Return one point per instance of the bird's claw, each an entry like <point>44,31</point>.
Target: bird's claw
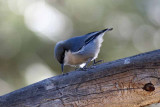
<point>96,62</point>
<point>92,67</point>
<point>81,69</point>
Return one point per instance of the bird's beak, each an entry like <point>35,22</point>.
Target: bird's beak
<point>62,66</point>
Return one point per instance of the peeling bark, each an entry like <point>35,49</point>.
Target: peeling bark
<point>128,82</point>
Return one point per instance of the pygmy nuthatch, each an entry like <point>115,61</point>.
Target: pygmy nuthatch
<point>79,50</point>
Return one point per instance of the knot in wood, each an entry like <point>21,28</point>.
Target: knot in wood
<point>149,87</point>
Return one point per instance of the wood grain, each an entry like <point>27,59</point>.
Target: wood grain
<point>128,82</point>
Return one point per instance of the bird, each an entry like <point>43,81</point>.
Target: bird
<point>80,49</point>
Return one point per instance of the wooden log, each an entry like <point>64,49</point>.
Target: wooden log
<point>128,82</point>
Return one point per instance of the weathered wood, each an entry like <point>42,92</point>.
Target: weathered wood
<point>129,82</point>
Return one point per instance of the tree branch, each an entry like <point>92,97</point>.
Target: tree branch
<point>132,81</point>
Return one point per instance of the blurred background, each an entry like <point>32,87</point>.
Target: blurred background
<point>29,30</point>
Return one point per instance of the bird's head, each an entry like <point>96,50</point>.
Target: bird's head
<point>59,53</point>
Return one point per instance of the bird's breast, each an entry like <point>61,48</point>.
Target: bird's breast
<point>73,59</point>
<point>89,51</point>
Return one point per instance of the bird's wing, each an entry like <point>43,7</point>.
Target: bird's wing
<point>77,43</point>
<point>93,35</point>
<point>74,44</point>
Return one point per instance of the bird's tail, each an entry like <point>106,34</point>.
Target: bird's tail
<point>96,34</point>
<point>105,30</point>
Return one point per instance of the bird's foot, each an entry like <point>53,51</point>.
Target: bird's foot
<point>92,67</point>
<point>81,69</point>
<point>96,62</point>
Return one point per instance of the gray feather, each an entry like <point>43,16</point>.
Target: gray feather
<point>76,43</point>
